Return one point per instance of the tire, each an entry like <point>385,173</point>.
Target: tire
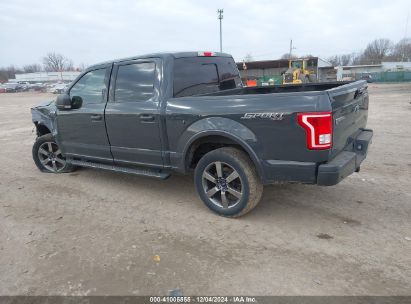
<point>227,182</point>
<point>47,156</point>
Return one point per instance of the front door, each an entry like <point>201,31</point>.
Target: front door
<point>132,113</point>
<point>82,132</point>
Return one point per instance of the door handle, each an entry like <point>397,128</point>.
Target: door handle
<point>96,117</point>
<point>146,117</point>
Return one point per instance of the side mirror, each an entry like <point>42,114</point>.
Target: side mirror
<point>63,102</point>
<point>76,102</point>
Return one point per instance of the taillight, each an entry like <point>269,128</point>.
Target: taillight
<point>206,54</point>
<point>318,127</point>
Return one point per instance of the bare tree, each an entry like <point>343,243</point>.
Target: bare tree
<point>55,62</point>
<point>346,59</point>
<point>358,58</point>
<point>32,68</point>
<point>287,56</point>
<point>341,60</point>
<point>334,60</point>
<point>69,65</point>
<point>402,50</point>
<point>248,57</point>
<point>308,56</point>
<point>377,50</point>
<point>81,67</point>
<point>8,73</point>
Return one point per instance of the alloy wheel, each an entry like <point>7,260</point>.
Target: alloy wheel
<point>50,157</point>
<point>222,184</point>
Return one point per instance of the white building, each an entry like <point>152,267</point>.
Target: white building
<point>388,66</point>
<point>385,66</point>
<point>46,76</point>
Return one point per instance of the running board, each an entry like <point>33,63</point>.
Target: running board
<point>136,171</point>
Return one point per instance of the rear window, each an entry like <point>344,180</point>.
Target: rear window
<point>202,75</point>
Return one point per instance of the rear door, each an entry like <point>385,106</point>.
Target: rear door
<point>132,113</point>
<point>350,112</point>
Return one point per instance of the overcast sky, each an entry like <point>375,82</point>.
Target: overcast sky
<point>97,30</point>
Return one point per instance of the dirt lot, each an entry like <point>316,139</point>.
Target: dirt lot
<point>95,232</point>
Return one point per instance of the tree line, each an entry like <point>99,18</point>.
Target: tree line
<point>376,51</point>
<point>52,62</point>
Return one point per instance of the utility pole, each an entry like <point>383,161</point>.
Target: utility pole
<point>220,16</point>
<point>405,36</point>
<point>291,48</point>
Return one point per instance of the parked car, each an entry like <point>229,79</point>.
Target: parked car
<point>367,77</point>
<point>38,87</point>
<point>12,87</point>
<point>50,87</point>
<point>188,112</point>
<point>2,89</point>
<point>58,88</point>
<point>25,86</point>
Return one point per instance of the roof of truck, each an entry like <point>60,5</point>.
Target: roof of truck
<point>160,55</point>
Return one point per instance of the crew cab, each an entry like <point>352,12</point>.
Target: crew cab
<point>189,112</point>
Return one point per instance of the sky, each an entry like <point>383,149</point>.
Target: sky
<point>91,31</point>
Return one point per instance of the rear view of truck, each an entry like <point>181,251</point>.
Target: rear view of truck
<point>341,131</point>
<point>349,139</point>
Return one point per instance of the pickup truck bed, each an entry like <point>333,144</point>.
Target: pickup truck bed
<point>279,145</point>
<point>286,88</point>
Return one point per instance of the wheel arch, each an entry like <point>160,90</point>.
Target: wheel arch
<point>41,129</point>
<point>219,138</point>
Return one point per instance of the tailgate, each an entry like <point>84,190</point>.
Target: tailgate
<point>350,111</point>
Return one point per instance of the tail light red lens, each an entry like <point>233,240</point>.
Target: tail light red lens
<point>318,127</point>
<point>206,54</point>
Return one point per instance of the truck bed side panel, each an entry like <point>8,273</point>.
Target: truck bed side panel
<point>276,139</point>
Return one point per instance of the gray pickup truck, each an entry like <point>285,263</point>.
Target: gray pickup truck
<point>154,114</point>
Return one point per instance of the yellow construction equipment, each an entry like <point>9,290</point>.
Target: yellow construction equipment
<point>300,71</point>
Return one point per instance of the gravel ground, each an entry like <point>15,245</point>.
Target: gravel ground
<point>93,232</point>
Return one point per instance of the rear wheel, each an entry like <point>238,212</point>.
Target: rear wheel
<point>227,182</point>
<point>48,157</point>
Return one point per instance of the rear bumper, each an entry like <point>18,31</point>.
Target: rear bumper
<point>346,162</point>
<point>326,174</point>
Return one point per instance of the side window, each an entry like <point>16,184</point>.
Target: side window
<point>135,82</point>
<point>90,87</point>
<point>203,75</point>
<point>229,75</point>
<point>192,77</point>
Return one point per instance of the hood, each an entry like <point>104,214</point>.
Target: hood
<point>44,104</point>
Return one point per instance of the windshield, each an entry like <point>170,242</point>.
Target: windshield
<point>297,64</point>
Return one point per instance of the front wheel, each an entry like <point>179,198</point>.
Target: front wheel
<point>227,182</point>
<point>47,156</point>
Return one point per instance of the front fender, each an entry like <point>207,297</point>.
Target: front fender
<point>45,115</point>
<point>220,126</point>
